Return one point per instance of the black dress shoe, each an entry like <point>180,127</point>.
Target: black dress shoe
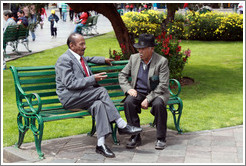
<point>104,150</point>
<point>132,130</point>
<point>134,141</point>
<point>160,144</point>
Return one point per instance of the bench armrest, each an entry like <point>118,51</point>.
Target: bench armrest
<point>29,100</point>
<point>173,83</point>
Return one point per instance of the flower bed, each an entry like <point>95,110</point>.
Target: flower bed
<point>194,26</point>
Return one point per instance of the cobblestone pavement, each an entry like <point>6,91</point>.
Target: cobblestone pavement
<point>221,146</point>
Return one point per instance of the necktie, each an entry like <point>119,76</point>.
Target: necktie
<point>83,65</point>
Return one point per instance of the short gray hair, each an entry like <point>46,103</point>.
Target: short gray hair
<point>8,13</point>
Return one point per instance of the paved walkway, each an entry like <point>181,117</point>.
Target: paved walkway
<point>214,146</point>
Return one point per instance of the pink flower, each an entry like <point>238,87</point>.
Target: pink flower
<point>187,52</point>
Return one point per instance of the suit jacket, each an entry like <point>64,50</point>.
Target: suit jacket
<point>70,76</point>
<point>158,66</point>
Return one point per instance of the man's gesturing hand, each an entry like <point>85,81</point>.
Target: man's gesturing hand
<point>132,92</point>
<point>108,61</point>
<point>100,76</point>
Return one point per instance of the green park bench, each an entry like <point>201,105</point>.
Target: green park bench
<point>91,24</point>
<point>37,101</point>
<point>14,35</point>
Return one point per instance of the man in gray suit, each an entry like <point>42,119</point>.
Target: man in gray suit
<point>77,87</point>
<point>149,87</point>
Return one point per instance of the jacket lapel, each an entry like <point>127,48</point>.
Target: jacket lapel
<point>152,66</point>
<point>76,62</point>
<point>135,67</point>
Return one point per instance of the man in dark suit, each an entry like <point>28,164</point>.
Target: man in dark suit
<point>77,87</point>
<point>149,87</point>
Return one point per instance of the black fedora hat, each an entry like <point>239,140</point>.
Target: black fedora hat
<point>145,40</point>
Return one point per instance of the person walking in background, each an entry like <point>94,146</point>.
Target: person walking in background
<point>32,22</point>
<point>60,9</point>
<point>71,13</point>
<point>186,7</point>
<point>155,6</point>
<point>64,11</point>
<point>42,13</point>
<point>240,8</point>
<point>53,18</point>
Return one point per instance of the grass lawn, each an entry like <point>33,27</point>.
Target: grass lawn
<point>214,101</point>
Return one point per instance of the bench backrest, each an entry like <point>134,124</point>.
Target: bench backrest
<point>10,33</point>
<point>23,32</point>
<point>95,18</point>
<point>89,21</point>
<point>15,32</point>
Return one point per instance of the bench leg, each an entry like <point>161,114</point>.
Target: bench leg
<point>25,42</point>
<point>38,134</point>
<point>93,128</point>
<point>95,29</point>
<point>114,134</point>
<point>22,129</point>
<point>177,112</point>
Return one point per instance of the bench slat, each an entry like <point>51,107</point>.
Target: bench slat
<point>40,87</point>
<point>112,87</point>
<point>48,101</point>
<point>106,68</point>
<point>110,80</point>
<point>66,116</point>
<point>47,94</point>
<point>33,68</point>
<point>116,94</point>
<point>32,74</point>
<point>35,81</point>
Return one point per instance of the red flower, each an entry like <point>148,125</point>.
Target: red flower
<point>167,51</point>
<point>114,52</point>
<point>178,49</point>
<point>184,59</point>
<point>117,57</point>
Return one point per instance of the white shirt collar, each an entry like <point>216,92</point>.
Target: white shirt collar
<point>144,64</point>
<point>77,56</point>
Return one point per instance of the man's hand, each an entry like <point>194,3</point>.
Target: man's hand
<point>100,76</point>
<point>108,61</point>
<point>145,104</point>
<point>132,92</point>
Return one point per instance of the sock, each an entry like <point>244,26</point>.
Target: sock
<point>121,123</point>
<point>101,141</point>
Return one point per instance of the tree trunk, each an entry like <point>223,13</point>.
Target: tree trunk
<point>109,11</point>
<point>171,9</point>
